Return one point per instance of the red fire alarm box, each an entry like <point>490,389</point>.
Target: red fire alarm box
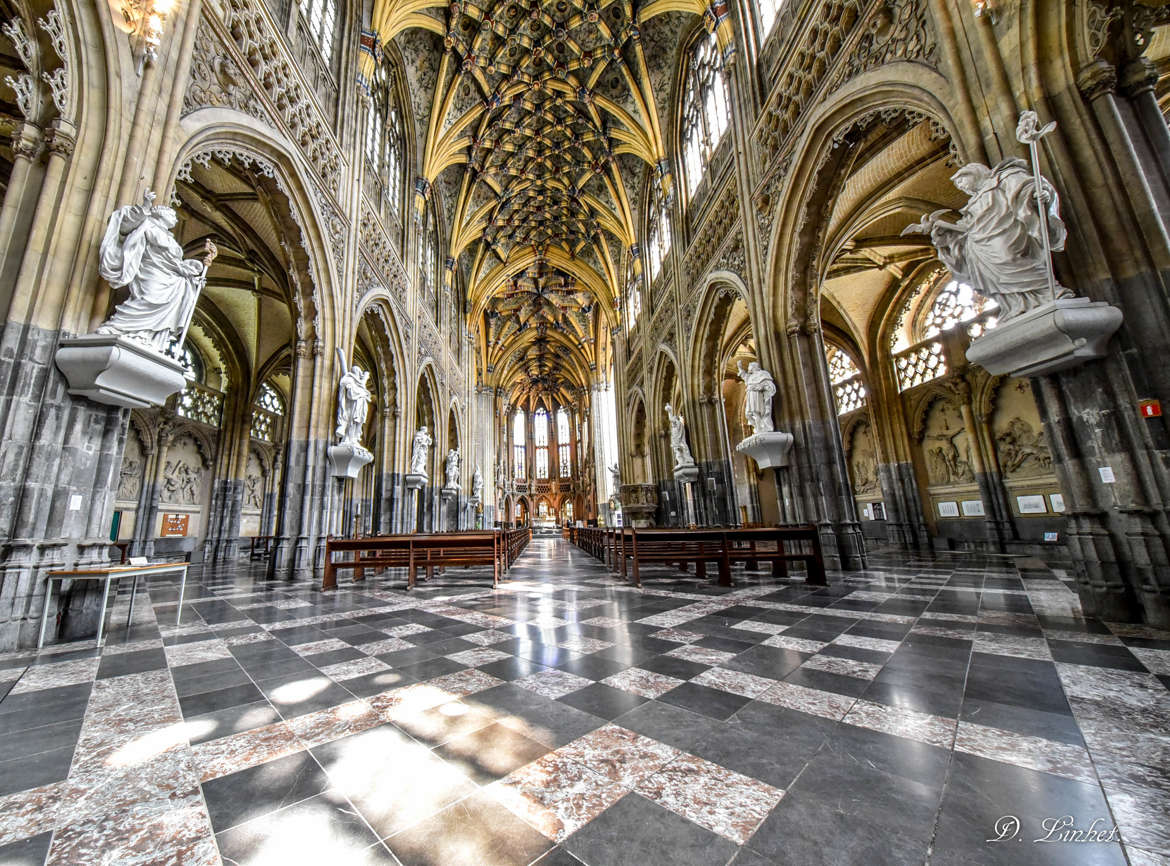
<point>1150,408</point>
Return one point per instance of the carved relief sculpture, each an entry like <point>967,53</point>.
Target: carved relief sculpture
<point>477,484</point>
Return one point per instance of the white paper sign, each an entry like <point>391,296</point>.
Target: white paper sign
<point>1032,504</point>
<point>75,502</point>
<point>948,509</point>
<point>973,508</point>
<point>1056,500</point>
<point>1106,473</point>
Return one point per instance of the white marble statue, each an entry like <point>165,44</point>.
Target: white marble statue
<point>140,253</point>
<point>761,388</point>
<point>477,483</point>
<point>999,245</point>
<point>453,467</point>
<point>616,475</point>
<point>678,438</point>
<point>353,403</point>
<point>419,451</point>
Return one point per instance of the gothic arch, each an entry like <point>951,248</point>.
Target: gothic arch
<point>225,136</point>
<point>796,245</point>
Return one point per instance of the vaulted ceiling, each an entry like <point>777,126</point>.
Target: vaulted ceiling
<point>539,121</point>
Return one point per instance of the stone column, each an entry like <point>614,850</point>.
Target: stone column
<point>815,486</point>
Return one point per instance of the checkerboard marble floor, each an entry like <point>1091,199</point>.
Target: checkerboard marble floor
<point>907,714</point>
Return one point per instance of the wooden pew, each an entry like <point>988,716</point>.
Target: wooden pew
<point>443,549</point>
<point>378,552</point>
<point>776,544</point>
<point>780,545</point>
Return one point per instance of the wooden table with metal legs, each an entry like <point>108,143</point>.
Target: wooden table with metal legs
<point>107,576</point>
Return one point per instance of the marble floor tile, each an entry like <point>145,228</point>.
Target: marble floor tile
<point>237,752</point>
<point>782,641</point>
<point>736,682</point>
<point>843,666</point>
<point>677,635</point>
<point>702,655</point>
<point>556,795</point>
<point>567,718</point>
<point>902,722</point>
<point>56,674</point>
<point>712,796</point>
<point>1035,753</point>
<point>648,684</point>
<point>355,668</point>
<point>815,702</point>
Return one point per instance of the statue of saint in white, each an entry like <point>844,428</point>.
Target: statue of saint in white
<point>353,403</point>
<point>999,246</point>
<point>140,253</point>
<point>761,388</point>
<point>418,454</point>
<point>453,467</point>
<point>477,483</point>
<point>678,439</point>
<point>616,475</point>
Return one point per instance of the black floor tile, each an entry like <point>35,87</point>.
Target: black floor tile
<point>704,700</point>
<point>1098,655</point>
<point>32,771</point>
<point>981,794</point>
<point>669,724</point>
<point>602,701</point>
<point>635,832</point>
<point>232,696</point>
<point>119,664</point>
<point>250,793</point>
<point>26,852</point>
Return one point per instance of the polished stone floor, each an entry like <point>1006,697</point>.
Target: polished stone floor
<point>950,710</point>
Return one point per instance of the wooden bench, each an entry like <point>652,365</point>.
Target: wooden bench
<point>109,575</point>
<point>378,552</point>
<point>443,549</point>
<point>779,545</point>
<point>431,551</point>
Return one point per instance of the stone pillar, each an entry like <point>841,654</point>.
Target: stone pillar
<point>304,477</point>
<point>815,486</point>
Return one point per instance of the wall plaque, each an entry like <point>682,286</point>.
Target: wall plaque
<point>175,524</point>
<point>1034,504</point>
<point>948,509</point>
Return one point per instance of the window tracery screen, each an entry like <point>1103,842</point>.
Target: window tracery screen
<point>706,110</point>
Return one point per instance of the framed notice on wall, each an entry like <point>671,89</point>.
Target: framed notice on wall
<point>1056,500</point>
<point>1034,504</point>
<point>175,524</point>
<point>973,508</point>
<point>948,509</point>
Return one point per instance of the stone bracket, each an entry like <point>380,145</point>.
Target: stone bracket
<point>1055,336</point>
<point>769,450</point>
<point>118,371</point>
<point>347,460</point>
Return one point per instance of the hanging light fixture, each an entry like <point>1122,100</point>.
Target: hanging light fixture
<point>146,19</point>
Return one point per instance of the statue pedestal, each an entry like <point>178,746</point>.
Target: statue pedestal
<point>347,460</point>
<point>118,371</point>
<point>1055,336</point>
<point>686,473</point>
<point>415,481</point>
<point>769,450</point>
<point>639,502</point>
<point>448,493</point>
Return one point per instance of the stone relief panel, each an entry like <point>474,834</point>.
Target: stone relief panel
<point>946,448</point>
<point>863,461</point>
<point>183,475</point>
<point>254,484</point>
<point>1020,444</point>
<point>130,475</point>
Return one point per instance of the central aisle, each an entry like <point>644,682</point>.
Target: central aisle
<point>892,717</point>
